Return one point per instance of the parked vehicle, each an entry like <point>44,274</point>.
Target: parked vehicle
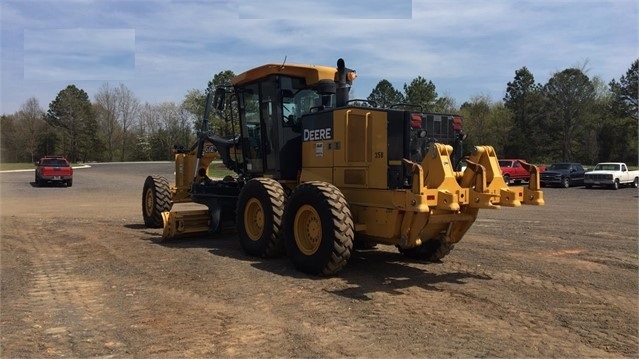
<point>564,174</point>
<point>512,170</point>
<point>53,169</point>
<point>612,175</point>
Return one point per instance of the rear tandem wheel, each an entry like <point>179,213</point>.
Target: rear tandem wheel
<point>156,198</point>
<point>318,228</point>
<point>260,207</point>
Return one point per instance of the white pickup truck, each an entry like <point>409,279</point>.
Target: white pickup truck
<point>611,174</point>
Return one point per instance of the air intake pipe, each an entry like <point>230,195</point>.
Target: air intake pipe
<point>344,80</point>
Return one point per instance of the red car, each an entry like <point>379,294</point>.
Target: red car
<point>53,169</point>
<point>512,170</point>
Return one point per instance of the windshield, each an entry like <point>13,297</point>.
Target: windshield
<point>607,167</point>
<point>295,105</point>
<point>54,163</point>
<point>559,166</point>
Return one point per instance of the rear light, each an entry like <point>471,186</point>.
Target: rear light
<point>416,121</point>
<point>457,123</point>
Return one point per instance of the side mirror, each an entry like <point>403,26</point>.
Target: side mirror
<point>219,99</point>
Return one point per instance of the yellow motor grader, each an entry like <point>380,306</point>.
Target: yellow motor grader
<point>318,174</point>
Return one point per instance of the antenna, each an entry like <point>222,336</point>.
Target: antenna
<point>282,67</point>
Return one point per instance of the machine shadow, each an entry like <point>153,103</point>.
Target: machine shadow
<point>367,271</point>
<point>374,271</point>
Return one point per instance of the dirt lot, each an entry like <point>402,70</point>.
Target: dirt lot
<point>82,277</point>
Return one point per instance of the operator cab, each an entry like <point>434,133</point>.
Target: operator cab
<point>272,100</point>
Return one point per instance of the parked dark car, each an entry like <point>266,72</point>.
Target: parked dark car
<point>564,174</point>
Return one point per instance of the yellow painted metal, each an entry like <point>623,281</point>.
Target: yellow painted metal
<point>312,74</point>
<point>317,174</point>
<point>149,204</point>
<point>254,219</point>
<point>363,146</point>
<point>181,223</point>
<point>308,229</point>
<point>489,190</point>
<point>439,174</point>
<point>441,203</point>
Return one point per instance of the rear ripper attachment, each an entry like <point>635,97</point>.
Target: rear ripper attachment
<point>317,174</point>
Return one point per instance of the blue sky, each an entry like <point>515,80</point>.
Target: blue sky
<point>160,49</point>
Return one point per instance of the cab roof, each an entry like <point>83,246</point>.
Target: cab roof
<point>311,73</point>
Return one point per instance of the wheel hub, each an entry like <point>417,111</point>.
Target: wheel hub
<point>149,203</point>
<point>254,219</point>
<point>308,230</point>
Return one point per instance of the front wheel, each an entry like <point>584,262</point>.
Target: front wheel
<point>615,185</point>
<point>318,228</point>
<point>507,179</point>
<point>156,198</point>
<point>565,183</point>
<point>635,183</point>
<point>260,207</point>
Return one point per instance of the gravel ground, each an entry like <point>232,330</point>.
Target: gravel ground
<point>82,277</point>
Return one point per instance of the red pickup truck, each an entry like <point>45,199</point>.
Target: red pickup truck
<point>512,170</point>
<point>53,169</point>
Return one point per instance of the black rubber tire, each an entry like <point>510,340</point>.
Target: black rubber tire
<point>615,185</point>
<point>318,209</point>
<point>156,198</point>
<point>507,179</point>
<point>69,183</point>
<point>588,186</point>
<point>635,183</point>
<point>565,182</point>
<point>431,250</point>
<point>260,207</point>
<point>37,181</point>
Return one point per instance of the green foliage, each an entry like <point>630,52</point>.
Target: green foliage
<point>385,95</point>
<point>71,114</point>
<point>571,117</point>
<point>422,93</point>
<point>9,142</point>
<point>219,123</point>
<point>486,123</point>
<point>626,93</point>
<point>525,100</point>
<point>569,96</point>
<point>195,102</point>
<point>445,104</point>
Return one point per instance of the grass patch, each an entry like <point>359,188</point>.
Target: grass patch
<point>16,166</point>
<point>218,170</point>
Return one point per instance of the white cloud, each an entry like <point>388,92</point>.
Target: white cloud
<point>325,9</point>
<point>465,47</point>
<point>79,54</point>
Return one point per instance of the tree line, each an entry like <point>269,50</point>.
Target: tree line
<point>571,117</point>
